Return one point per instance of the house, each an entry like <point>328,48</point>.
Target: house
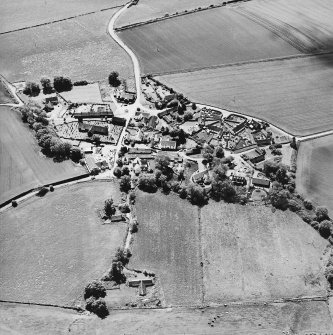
<point>192,151</point>
<point>169,97</point>
<point>135,282</point>
<point>255,156</point>
<point>238,180</point>
<point>91,164</point>
<point>127,97</point>
<point>260,182</point>
<point>199,177</point>
<point>168,145</point>
<point>53,100</point>
<point>117,218</point>
<point>152,122</point>
<point>118,121</point>
<point>139,151</point>
<point>164,113</point>
<point>95,129</point>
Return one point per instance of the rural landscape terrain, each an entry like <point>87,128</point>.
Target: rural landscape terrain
<point>166,167</point>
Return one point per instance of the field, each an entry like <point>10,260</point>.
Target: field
<point>22,165</point>
<point>5,95</point>
<point>315,172</point>
<point>152,9</point>
<point>250,254</point>
<point>51,247</point>
<point>307,24</point>
<point>168,244</point>
<point>84,94</point>
<point>202,39</point>
<point>273,319</point>
<point>293,94</point>
<point>18,14</point>
<point>79,48</point>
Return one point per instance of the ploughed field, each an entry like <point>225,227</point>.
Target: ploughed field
<point>167,243</point>
<point>255,255</point>
<point>202,39</point>
<point>79,48</point>
<point>294,94</point>
<point>22,166</point>
<point>51,247</point>
<point>315,171</point>
<point>18,14</point>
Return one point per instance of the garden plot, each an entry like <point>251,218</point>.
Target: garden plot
<point>58,243</point>
<point>251,254</point>
<point>84,94</point>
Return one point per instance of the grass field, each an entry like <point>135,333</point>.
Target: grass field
<point>18,14</point>
<point>168,244</point>
<point>272,319</point>
<point>22,166</point>
<point>5,95</point>
<point>79,48</point>
<point>152,9</point>
<point>315,171</point>
<point>202,39</point>
<point>252,254</point>
<point>51,247</point>
<point>307,24</point>
<point>84,94</point>
<point>293,94</point>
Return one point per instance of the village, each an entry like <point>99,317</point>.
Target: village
<point>118,137</point>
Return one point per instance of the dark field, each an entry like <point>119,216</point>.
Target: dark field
<point>315,171</point>
<point>22,166</point>
<point>168,244</point>
<point>17,14</point>
<point>294,94</point>
<point>213,37</point>
<point>52,247</point>
<point>79,48</point>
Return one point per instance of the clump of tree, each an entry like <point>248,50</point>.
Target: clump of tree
<point>97,306</point>
<point>93,293</point>
<point>197,195</point>
<point>114,79</point>
<point>279,198</point>
<point>109,208</point>
<point>125,183</point>
<point>95,289</point>
<point>223,190</point>
<point>62,84</point>
<point>47,85</point>
<point>147,184</point>
<point>325,228</point>
<point>31,89</point>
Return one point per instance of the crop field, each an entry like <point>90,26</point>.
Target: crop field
<point>151,9</point>
<point>22,166</point>
<point>18,14</point>
<point>315,171</point>
<point>168,244</point>
<point>79,48</point>
<point>84,94</point>
<point>250,254</point>
<point>249,319</point>
<point>51,247</point>
<point>294,94</point>
<point>307,24</point>
<point>5,95</point>
<point>202,39</point>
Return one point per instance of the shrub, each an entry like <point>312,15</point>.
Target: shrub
<point>117,172</point>
<point>321,213</point>
<point>31,89</point>
<point>134,228</point>
<point>122,255</point>
<point>314,224</point>
<point>95,289</point>
<point>42,191</point>
<point>75,154</point>
<point>124,208</point>
<point>329,275</point>
<point>62,84</point>
<point>113,79</point>
<point>125,183</point>
<point>294,206</point>
<point>81,83</point>
<point>325,228</point>
<point>46,84</point>
<point>132,196</point>
<point>183,193</point>
<point>51,188</point>
<point>97,306</point>
<point>14,203</point>
<point>305,216</point>
<point>308,204</point>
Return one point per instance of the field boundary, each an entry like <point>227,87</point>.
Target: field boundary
<point>168,16</point>
<point>60,20</point>
<point>264,60</point>
<point>78,309</point>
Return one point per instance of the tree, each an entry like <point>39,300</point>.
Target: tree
<point>321,213</point>
<point>95,289</point>
<point>125,183</point>
<point>308,204</point>
<point>220,172</point>
<point>31,89</point>
<point>62,84</point>
<point>116,273</point>
<point>281,175</point>
<point>223,190</point>
<point>113,79</point>
<point>122,255</point>
<point>125,171</point>
<point>270,168</point>
<point>46,84</point>
<point>219,153</point>
<point>197,195</point>
<point>194,106</point>
<point>162,164</point>
<point>325,228</point>
<point>183,193</point>
<point>294,206</point>
<point>124,208</point>
<point>75,155</point>
<point>147,184</point>
<point>109,207</point>
<point>279,198</point>
<point>188,116</point>
<point>117,172</point>
<point>97,306</point>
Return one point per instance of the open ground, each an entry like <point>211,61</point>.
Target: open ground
<point>22,166</point>
<point>19,14</point>
<point>294,94</point>
<point>79,48</point>
<point>52,247</point>
<point>252,254</point>
<point>315,171</point>
<point>202,39</point>
<point>168,244</point>
<point>5,94</point>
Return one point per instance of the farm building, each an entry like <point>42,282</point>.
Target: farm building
<point>94,111</point>
<point>260,182</point>
<point>117,218</point>
<point>199,177</point>
<point>127,97</point>
<point>164,113</point>
<point>168,145</point>
<point>255,156</point>
<point>119,121</point>
<point>135,282</point>
<point>95,129</point>
<point>91,164</point>
<point>139,150</point>
<point>238,180</point>
<point>53,100</point>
